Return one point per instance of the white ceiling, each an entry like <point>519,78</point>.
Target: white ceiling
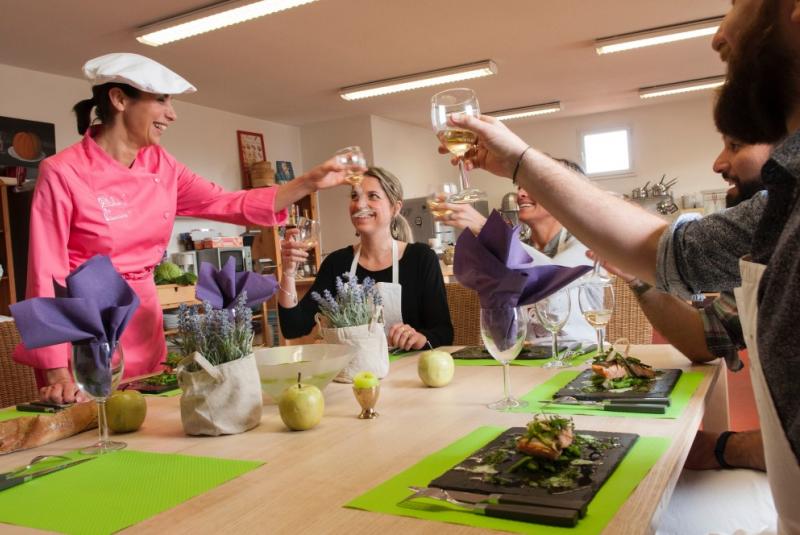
<point>288,67</point>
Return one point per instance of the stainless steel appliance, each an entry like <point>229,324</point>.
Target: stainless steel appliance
<point>219,255</point>
<point>421,220</point>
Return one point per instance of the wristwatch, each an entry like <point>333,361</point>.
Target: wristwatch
<point>639,287</point>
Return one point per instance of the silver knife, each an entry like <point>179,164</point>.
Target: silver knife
<point>13,481</point>
<point>510,506</point>
<point>627,405</point>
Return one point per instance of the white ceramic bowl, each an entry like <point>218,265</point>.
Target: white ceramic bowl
<point>318,363</point>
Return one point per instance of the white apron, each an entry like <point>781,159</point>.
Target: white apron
<point>783,470</point>
<point>391,292</point>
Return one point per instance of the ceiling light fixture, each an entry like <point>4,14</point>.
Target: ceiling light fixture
<point>527,111</point>
<point>210,18</point>
<point>657,36</point>
<point>417,81</point>
<point>681,87</point>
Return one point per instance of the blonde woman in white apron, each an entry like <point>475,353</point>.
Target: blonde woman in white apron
<point>408,275</point>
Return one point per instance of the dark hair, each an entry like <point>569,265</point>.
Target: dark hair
<point>101,101</point>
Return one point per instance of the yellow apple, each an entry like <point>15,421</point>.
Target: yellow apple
<point>126,410</point>
<point>301,406</point>
<point>436,368</point>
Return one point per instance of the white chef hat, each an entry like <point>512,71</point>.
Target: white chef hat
<point>135,70</point>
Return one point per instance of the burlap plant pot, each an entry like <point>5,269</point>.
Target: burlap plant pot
<point>219,400</point>
<point>368,342</point>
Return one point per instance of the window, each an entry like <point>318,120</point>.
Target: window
<point>607,153</point>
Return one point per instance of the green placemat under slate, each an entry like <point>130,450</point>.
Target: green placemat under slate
<point>114,491</point>
<point>385,497</point>
<point>532,363</point>
<point>679,398</point>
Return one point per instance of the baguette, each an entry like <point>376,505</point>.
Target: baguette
<point>31,431</point>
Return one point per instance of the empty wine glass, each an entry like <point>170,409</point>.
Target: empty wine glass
<point>596,301</point>
<point>308,237</point>
<point>553,313</point>
<point>503,333</point>
<point>97,368</point>
<point>440,193</point>
<point>352,158</point>
<point>457,141</point>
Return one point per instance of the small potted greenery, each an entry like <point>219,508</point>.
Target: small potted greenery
<point>218,374</point>
<point>354,317</point>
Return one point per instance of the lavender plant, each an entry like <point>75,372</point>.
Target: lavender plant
<point>354,303</point>
<point>219,335</point>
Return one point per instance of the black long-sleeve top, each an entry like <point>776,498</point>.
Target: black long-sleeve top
<point>423,302</point>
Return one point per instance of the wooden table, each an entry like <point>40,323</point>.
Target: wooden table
<point>308,476</point>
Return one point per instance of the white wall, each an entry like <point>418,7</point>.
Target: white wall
<point>409,151</point>
<point>674,137</point>
<point>319,142</point>
<point>202,138</point>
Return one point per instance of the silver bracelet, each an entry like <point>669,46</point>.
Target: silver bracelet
<point>293,295</point>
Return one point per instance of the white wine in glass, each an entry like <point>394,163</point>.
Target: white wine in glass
<point>458,141</point>
<point>596,302</point>
<point>352,158</point>
<point>439,194</point>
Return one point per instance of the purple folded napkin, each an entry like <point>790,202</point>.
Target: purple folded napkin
<point>93,309</point>
<point>223,287</point>
<point>95,306</point>
<point>495,265</point>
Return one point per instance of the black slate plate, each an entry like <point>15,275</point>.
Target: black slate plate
<point>529,352</point>
<point>461,478</point>
<point>660,388</point>
<point>147,388</point>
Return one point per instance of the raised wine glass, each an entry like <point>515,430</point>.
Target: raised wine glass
<point>503,332</point>
<point>596,301</point>
<point>97,369</point>
<point>438,194</point>
<point>352,158</point>
<point>553,313</point>
<point>308,238</point>
<point>457,141</point>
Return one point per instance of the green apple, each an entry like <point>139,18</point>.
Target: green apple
<point>436,368</point>
<point>365,380</point>
<point>301,406</point>
<point>125,410</point>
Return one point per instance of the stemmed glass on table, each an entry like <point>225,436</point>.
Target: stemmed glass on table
<point>97,370</point>
<point>457,141</point>
<point>503,332</point>
<point>596,301</point>
<point>553,313</point>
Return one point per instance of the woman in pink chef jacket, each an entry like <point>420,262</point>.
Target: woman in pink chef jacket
<point>117,192</point>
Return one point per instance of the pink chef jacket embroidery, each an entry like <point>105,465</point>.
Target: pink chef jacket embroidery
<point>87,203</point>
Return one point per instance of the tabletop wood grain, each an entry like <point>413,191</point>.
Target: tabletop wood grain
<point>309,475</point>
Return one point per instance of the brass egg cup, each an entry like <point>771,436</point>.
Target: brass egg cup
<point>367,398</point>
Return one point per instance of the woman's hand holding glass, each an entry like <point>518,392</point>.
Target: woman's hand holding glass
<point>326,175</point>
<point>293,252</point>
<point>553,313</point>
<point>405,337</point>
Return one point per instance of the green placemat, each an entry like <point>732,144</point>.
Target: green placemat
<point>679,398</point>
<point>385,497</point>
<point>10,413</point>
<point>114,491</point>
<point>397,356</point>
<point>532,363</point>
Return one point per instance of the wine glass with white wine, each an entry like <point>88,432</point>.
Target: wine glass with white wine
<point>457,141</point>
<point>439,194</point>
<point>352,158</point>
<point>596,302</point>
